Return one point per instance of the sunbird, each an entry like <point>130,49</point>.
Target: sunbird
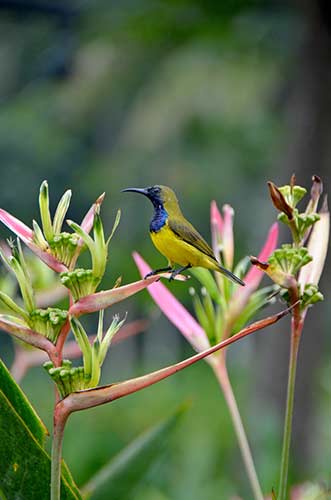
<point>176,238</point>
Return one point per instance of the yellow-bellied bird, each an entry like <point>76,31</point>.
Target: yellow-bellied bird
<point>175,237</point>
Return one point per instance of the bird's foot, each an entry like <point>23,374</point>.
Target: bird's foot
<point>152,273</point>
<point>157,271</point>
<point>175,272</point>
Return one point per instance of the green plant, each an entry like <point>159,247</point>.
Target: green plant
<point>43,329</point>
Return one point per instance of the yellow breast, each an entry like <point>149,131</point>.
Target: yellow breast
<point>178,251</point>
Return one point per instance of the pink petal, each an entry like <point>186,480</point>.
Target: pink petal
<point>25,334</point>
<point>47,258</point>
<point>174,310</point>
<point>26,235</point>
<point>216,223</point>
<point>18,227</point>
<point>87,222</point>
<point>227,240</point>
<point>216,217</point>
<point>104,299</point>
<point>254,275</point>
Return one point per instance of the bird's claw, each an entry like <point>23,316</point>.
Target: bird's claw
<point>148,275</point>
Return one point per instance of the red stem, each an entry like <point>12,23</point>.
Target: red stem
<point>101,395</point>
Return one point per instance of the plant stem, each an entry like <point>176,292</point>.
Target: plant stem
<point>296,330</point>
<point>60,419</point>
<point>224,381</point>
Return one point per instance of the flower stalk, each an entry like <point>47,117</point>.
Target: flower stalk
<point>296,331</point>
<point>59,422</point>
<point>297,270</point>
<point>222,376</point>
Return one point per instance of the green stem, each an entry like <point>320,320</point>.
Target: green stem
<point>224,381</point>
<point>295,233</point>
<point>296,329</point>
<point>58,431</point>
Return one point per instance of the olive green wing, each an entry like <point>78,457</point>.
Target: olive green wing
<point>186,232</point>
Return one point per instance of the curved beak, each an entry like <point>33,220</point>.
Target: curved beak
<point>136,190</point>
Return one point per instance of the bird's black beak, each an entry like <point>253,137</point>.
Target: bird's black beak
<point>136,190</point>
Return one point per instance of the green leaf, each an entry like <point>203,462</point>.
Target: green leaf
<point>116,223</point>
<point>21,405</point>
<point>207,280</point>
<point>258,299</point>
<point>123,472</point>
<point>25,466</point>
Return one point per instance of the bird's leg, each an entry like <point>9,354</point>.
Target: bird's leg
<point>179,270</point>
<point>156,271</point>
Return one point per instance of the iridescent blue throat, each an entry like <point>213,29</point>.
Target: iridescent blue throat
<point>159,219</point>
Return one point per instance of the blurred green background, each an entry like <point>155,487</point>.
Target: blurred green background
<point>213,99</point>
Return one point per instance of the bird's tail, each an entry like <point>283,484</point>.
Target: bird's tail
<point>229,275</point>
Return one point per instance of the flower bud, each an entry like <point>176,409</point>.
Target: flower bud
<point>315,193</point>
<point>279,200</point>
<point>61,211</point>
<point>44,211</point>
<point>48,322</point>
<point>275,272</point>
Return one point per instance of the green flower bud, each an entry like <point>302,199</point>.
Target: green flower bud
<point>61,211</point>
<point>63,247</point>
<point>81,282</point>
<point>289,259</point>
<point>311,295</point>
<point>48,322</point>
<point>67,378</point>
<point>44,211</point>
<point>293,194</point>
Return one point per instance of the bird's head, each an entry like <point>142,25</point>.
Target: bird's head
<point>162,196</point>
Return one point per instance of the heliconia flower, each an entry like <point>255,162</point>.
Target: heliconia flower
<point>83,282</point>
<point>48,321</point>
<point>217,223</point>
<point>275,272</point>
<point>26,235</point>
<point>240,304</point>
<point>26,358</point>
<point>222,233</point>
<point>222,241</point>
<point>58,250</point>
<point>294,267</point>
<point>253,277</point>
<point>70,379</point>
<point>22,332</point>
<point>286,198</point>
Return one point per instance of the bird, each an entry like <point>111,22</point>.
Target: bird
<point>175,237</point>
